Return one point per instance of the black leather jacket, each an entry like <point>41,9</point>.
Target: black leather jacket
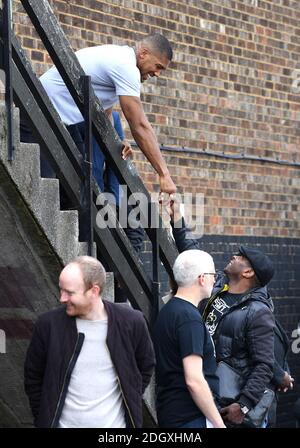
<point>244,337</point>
<point>55,347</point>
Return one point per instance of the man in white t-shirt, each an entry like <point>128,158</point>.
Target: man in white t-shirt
<point>116,76</point>
<point>89,361</point>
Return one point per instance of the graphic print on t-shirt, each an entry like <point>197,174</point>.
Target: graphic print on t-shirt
<point>218,307</point>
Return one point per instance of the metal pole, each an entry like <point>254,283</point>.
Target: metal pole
<point>88,164</point>
<point>7,25</point>
<point>155,273</point>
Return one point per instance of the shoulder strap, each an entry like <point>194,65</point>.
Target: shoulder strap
<point>212,299</point>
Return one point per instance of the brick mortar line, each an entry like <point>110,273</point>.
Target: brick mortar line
<point>173,10</point>
<point>231,91</point>
<point>194,46</point>
<point>229,159</point>
<point>213,12</point>
<point>174,21</point>
<point>224,125</point>
<point>233,146</point>
<point>239,192</point>
<point>204,178</point>
<point>269,2</point>
<point>297,140</point>
<point>69,14</point>
<point>224,15</point>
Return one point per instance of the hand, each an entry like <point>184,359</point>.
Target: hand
<point>174,207</point>
<point>166,184</point>
<point>126,150</point>
<point>232,414</point>
<point>286,383</point>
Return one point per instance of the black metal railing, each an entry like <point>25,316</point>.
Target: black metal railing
<point>88,165</point>
<point>7,61</point>
<point>68,164</point>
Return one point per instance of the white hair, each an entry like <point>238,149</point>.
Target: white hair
<point>190,264</point>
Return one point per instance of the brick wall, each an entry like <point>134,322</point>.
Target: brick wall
<point>240,197</point>
<point>232,88</point>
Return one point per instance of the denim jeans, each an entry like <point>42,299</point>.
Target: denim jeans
<point>111,184</point>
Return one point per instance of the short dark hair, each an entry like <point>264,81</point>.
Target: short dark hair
<point>159,44</point>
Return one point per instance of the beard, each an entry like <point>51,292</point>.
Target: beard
<point>73,310</point>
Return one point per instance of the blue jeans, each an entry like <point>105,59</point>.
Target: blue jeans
<point>111,183</point>
<point>77,131</point>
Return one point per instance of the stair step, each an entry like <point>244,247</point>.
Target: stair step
<point>25,170</point>
<point>42,196</point>
<point>67,235</point>
<point>46,207</point>
<point>16,125</point>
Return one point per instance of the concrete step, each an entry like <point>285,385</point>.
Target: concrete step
<point>67,235</point>
<point>46,208</point>
<point>41,195</point>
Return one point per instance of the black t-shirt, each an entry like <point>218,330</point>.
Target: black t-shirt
<point>218,307</point>
<point>180,332</point>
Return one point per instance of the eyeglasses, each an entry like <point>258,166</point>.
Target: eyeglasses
<point>211,273</point>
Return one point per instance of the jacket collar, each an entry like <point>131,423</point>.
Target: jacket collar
<point>259,294</point>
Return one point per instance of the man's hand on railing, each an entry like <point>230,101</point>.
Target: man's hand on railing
<point>127,150</point>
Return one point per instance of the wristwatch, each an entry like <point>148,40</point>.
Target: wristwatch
<point>244,408</point>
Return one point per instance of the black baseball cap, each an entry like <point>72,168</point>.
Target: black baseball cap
<point>261,264</point>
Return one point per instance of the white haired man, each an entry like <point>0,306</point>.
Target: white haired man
<point>186,365</point>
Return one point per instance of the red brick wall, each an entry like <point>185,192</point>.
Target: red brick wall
<point>231,88</point>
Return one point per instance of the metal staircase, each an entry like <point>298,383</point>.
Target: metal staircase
<point>62,228</point>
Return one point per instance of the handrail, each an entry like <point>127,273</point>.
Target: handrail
<point>68,164</point>
<point>7,24</point>
<point>87,215</point>
<point>69,68</point>
<point>113,243</point>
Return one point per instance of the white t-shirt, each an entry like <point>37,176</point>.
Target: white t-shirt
<point>113,72</point>
<point>94,398</point>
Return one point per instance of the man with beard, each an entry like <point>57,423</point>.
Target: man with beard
<point>89,361</point>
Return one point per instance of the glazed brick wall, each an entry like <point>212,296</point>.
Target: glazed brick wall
<point>232,88</point>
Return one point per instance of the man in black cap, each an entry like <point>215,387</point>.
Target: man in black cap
<point>239,317</point>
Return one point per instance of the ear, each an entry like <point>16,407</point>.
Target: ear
<point>248,273</point>
<point>143,52</point>
<point>201,280</point>
<point>96,290</point>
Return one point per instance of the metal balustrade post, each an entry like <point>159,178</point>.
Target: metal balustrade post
<point>155,274</point>
<point>7,60</point>
<point>87,215</point>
